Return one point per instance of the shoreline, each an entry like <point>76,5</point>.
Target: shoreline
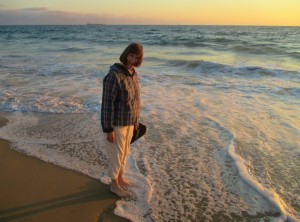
<point>33,190</point>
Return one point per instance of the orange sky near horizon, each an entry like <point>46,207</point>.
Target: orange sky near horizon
<point>178,12</point>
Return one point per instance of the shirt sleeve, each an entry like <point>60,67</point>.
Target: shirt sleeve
<point>138,102</point>
<point>108,102</point>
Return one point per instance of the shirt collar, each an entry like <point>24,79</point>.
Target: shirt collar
<point>124,70</point>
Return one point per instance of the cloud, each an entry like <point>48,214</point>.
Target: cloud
<point>44,16</point>
<point>38,16</point>
<point>42,9</point>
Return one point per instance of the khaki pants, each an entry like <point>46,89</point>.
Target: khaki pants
<point>118,152</point>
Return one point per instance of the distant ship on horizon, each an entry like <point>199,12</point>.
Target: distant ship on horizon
<point>95,24</point>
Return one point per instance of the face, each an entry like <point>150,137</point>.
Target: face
<point>132,59</point>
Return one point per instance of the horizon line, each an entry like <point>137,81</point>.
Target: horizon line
<point>100,24</point>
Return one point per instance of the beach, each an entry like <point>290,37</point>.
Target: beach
<point>221,105</point>
<point>33,190</point>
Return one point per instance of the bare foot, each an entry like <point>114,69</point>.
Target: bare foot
<point>119,191</point>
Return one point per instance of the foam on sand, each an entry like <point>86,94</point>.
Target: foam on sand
<point>268,193</point>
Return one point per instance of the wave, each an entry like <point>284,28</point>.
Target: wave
<point>187,43</point>
<point>48,104</point>
<point>288,91</point>
<point>66,38</point>
<point>75,49</point>
<point>211,68</point>
<point>235,39</point>
<point>268,192</point>
<point>295,55</point>
<point>258,49</point>
<point>208,68</point>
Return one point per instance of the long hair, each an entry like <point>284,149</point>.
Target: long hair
<point>133,48</point>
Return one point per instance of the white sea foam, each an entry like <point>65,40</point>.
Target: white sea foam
<point>270,194</point>
<point>179,173</point>
<point>137,207</point>
<point>70,141</point>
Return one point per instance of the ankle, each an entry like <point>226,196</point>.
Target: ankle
<point>115,183</point>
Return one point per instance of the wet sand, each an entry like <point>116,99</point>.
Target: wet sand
<point>33,190</point>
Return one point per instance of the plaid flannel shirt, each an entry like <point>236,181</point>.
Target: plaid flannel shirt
<point>120,99</point>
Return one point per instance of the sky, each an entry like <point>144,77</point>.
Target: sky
<point>151,12</point>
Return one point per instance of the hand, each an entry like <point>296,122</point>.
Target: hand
<point>136,126</point>
<point>111,137</point>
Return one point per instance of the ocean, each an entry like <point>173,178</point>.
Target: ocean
<point>221,105</point>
